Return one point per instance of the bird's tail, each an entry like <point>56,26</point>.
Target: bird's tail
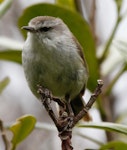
<point>77,105</point>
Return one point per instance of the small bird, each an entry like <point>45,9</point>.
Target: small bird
<point>53,58</point>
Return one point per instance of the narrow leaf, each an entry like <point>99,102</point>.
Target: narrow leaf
<point>4,83</point>
<point>22,128</point>
<point>69,4</point>
<point>114,127</point>
<point>5,6</point>
<point>116,145</point>
<point>11,55</point>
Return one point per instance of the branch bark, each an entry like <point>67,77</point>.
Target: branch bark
<point>65,123</point>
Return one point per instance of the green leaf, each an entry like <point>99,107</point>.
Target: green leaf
<point>70,4</point>
<point>4,83</point>
<point>1,1</point>
<point>76,24</point>
<point>115,145</point>
<point>114,127</point>
<point>22,128</point>
<point>11,55</point>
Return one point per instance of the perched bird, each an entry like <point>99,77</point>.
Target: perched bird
<point>53,58</point>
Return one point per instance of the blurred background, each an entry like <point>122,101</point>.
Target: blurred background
<point>17,100</point>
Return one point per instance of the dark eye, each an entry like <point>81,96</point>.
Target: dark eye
<point>44,29</point>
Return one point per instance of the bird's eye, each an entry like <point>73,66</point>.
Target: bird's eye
<point>44,29</point>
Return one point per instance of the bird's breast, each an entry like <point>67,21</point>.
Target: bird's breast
<point>61,72</point>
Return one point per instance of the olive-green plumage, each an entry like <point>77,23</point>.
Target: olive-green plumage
<point>53,58</point>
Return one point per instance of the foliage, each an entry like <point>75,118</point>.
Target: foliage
<point>21,129</point>
<point>4,83</point>
<point>67,10</point>
<point>11,55</point>
<point>116,145</point>
<point>114,127</point>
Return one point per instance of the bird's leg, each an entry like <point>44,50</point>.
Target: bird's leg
<point>69,115</point>
<point>68,106</point>
<point>59,102</point>
<point>62,108</point>
<point>67,118</point>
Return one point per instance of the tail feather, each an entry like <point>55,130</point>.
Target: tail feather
<point>77,105</point>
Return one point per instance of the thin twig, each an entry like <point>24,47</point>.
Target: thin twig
<point>89,104</point>
<point>61,123</point>
<point>92,20</point>
<point>5,140</point>
<point>115,79</point>
<point>108,44</point>
<point>45,99</point>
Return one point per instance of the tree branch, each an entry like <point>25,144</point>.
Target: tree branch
<point>65,123</point>
<point>89,104</point>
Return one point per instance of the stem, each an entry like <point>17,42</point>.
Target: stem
<point>78,6</point>
<point>5,140</point>
<point>92,20</point>
<point>89,104</point>
<point>61,123</point>
<point>13,147</point>
<point>100,108</point>
<point>106,50</point>
<point>65,122</point>
<point>107,103</point>
<point>109,88</point>
<point>45,99</point>
<point>66,140</point>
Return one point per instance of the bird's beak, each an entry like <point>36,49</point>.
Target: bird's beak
<point>28,28</point>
